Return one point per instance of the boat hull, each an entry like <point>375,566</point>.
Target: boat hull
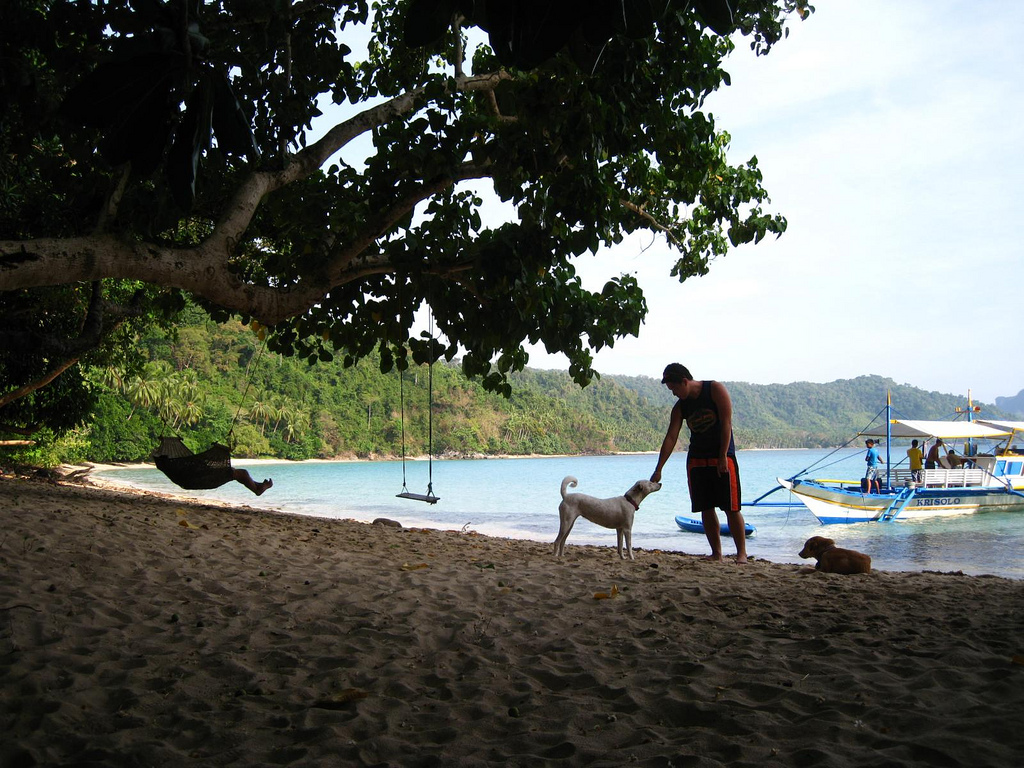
<point>837,505</point>
<point>694,525</point>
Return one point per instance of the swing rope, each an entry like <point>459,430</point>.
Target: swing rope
<point>401,399</point>
<point>250,372</point>
<point>430,414</point>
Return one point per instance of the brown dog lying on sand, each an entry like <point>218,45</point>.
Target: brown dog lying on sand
<point>832,559</point>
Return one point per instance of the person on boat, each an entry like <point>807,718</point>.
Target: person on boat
<point>871,474</point>
<point>934,454</point>
<point>712,474</point>
<point>916,458</point>
<point>953,459</point>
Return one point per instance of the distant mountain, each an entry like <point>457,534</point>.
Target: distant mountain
<point>1012,405</point>
<point>804,414</point>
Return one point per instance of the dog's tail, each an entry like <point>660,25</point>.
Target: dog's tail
<point>568,481</point>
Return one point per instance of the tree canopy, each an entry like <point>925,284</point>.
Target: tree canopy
<point>149,148</point>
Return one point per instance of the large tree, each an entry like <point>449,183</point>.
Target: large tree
<point>127,161</point>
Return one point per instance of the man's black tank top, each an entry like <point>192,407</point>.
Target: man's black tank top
<point>701,417</point>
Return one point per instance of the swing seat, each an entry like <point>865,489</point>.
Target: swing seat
<point>193,471</point>
<point>430,498</point>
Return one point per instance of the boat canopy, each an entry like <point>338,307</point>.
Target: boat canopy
<point>947,430</point>
<point>1006,426</point>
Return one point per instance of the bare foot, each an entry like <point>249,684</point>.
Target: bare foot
<point>713,558</point>
<point>741,559</point>
<point>261,487</point>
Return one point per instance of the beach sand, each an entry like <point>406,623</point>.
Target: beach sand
<point>146,631</point>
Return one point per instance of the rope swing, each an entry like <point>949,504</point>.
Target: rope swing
<point>429,496</point>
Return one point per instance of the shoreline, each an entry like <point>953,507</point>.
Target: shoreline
<point>105,467</point>
<point>776,541</point>
<point>140,630</point>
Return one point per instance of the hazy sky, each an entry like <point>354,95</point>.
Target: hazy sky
<point>890,134</point>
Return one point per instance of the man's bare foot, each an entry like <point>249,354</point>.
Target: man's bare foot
<point>713,558</point>
<point>261,487</point>
<point>741,559</point>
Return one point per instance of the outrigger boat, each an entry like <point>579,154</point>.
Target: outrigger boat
<point>696,525</point>
<point>988,481</point>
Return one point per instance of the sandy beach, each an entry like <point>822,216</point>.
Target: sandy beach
<point>145,631</point>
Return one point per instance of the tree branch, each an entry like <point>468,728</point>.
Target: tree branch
<point>90,336</point>
<point>315,155</point>
<point>113,201</point>
<point>32,386</point>
<point>652,221</point>
<point>99,315</point>
<point>338,267</point>
<point>460,53</point>
<point>205,270</point>
<point>492,100</point>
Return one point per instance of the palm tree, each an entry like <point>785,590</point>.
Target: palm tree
<point>369,399</point>
<point>284,413</point>
<point>298,422</point>
<point>190,399</point>
<point>144,390</point>
<point>169,400</point>
<point>258,414</point>
<point>112,378</point>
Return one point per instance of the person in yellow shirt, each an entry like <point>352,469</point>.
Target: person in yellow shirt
<point>916,460</point>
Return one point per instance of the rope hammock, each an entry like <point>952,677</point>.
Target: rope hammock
<point>200,471</point>
<point>429,496</point>
<point>194,471</point>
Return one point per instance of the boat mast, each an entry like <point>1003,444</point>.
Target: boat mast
<point>970,418</point>
<point>969,443</point>
<point>888,438</point>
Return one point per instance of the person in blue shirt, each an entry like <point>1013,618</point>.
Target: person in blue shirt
<point>873,460</point>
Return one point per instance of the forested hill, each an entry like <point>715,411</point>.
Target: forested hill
<point>1013,405</point>
<point>213,383</point>
<point>804,414</point>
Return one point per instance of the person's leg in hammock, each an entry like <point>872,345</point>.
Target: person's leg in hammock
<point>242,476</point>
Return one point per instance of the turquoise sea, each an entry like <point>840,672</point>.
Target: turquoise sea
<point>518,498</point>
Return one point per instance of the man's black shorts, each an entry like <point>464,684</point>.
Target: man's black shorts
<point>708,489</point>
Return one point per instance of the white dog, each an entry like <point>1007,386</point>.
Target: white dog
<point>614,513</point>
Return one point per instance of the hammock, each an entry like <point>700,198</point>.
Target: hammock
<point>209,469</point>
<point>193,471</point>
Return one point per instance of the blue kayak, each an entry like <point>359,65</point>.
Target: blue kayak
<point>695,525</point>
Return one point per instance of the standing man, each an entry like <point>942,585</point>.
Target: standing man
<point>711,469</point>
<point>916,461</point>
<point>871,473</point>
<point>932,460</point>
